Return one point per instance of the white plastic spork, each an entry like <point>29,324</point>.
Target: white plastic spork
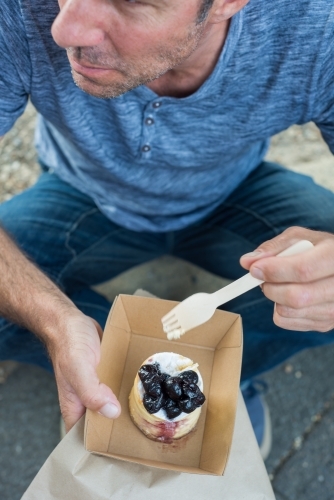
<point>200,307</point>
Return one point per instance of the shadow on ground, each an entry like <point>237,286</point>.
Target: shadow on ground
<point>29,427</point>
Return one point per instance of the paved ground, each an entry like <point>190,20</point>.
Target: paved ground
<point>301,393</point>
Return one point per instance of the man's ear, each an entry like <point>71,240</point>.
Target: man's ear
<point>224,9</point>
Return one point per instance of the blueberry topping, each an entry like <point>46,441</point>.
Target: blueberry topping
<point>152,404</point>
<point>164,376</point>
<point>191,390</point>
<point>187,405</point>
<point>189,376</point>
<point>173,388</point>
<point>172,394</point>
<point>148,371</point>
<point>173,412</point>
<point>153,386</point>
<point>199,400</point>
<point>172,409</point>
<point>169,403</point>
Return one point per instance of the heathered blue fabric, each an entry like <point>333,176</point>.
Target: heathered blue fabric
<point>276,69</point>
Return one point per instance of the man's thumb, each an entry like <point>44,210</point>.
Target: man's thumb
<point>100,398</point>
<point>111,409</point>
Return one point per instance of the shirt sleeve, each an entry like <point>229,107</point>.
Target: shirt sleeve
<point>15,65</point>
<point>324,105</point>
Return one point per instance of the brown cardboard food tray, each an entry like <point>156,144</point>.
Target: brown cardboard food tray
<point>133,333</point>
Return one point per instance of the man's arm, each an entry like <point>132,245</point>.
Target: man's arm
<point>27,296</point>
<point>31,299</point>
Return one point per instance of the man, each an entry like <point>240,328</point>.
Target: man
<point>156,146</point>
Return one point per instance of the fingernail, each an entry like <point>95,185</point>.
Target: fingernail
<point>109,410</point>
<point>257,273</point>
<point>256,253</point>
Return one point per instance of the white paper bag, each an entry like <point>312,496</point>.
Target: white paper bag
<point>72,473</point>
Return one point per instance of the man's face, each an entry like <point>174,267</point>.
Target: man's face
<point>116,45</point>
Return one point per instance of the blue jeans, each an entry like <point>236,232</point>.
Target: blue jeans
<point>67,236</point>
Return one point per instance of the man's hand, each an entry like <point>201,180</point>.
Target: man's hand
<point>302,286</point>
<point>75,355</point>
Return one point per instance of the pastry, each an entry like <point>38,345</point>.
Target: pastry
<point>166,397</point>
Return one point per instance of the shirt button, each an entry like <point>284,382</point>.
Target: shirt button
<point>157,104</point>
<point>146,148</point>
<point>149,121</point>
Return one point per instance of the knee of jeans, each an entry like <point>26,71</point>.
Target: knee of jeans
<point>92,304</point>
<point>14,219</point>
<point>314,208</point>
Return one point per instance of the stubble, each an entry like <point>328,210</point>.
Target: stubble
<point>134,72</point>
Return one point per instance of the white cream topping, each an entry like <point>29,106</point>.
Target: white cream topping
<point>173,364</point>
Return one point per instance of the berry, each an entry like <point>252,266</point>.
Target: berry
<point>147,371</point>
<point>172,409</point>
<point>172,387</point>
<point>152,404</point>
<point>164,376</point>
<point>189,376</point>
<point>173,412</point>
<point>169,403</point>
<point>187,405</point>
<point>190,390</point>
<point>152,386</point>
<point>199,400</point>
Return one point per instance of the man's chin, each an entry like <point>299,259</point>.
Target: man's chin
<point>101,89</point>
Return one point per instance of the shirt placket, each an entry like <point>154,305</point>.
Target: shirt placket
<point>150,117</point>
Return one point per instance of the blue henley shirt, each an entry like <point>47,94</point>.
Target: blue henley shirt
<point>276,69</point>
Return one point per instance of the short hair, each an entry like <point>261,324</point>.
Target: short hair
<point>204,10</point>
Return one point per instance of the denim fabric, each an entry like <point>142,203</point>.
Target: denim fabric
<point>63,231</point>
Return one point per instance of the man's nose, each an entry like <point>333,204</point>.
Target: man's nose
<point>77,24</point>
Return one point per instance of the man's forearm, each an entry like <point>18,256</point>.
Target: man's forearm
<point>30,298</point>
<point>27,296</point>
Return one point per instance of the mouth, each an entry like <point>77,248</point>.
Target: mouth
<point>89,71</point>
